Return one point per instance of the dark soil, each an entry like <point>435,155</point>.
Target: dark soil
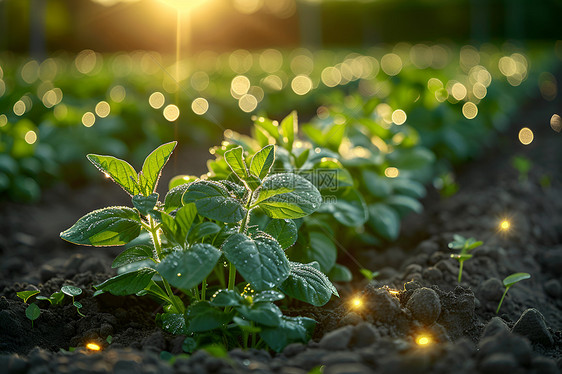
<point>378,337</point>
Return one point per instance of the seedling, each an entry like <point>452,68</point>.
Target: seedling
<point>198,224</point>
<point>368,274</point>
<point>55,299</point>
<point>32,312</point>
<point>73,291</point>
<point>464,245</point>
<point>522,165</point>
<point>25,295</point>
<point>509,281</point>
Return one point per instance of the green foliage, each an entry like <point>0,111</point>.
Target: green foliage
<point>464,245</point>
<point>508,282</point>
<point>180,243</point>
<point>32,312</point>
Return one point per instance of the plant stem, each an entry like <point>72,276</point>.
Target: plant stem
<point>172,297</point>
<point>196,293</point>
<point>231,276</point>
<point>203,289</point>
<point>460,270</point>
<point>501,300</point>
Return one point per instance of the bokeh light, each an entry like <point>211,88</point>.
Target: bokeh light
<point>301,84</point>
<point>556,123</point>
<point>157,100</point>
<point>88,119</point>
<point>399,117</point>
<point>117,93</point>
<point>200,106</point>
<point>171,112</point>
<point>391,64</point>
<point>526,136</point>
<point>93,347</point>
<point>19,108</point>
<point>469,110</point>
<point>248,103</point>
<point>30,137</point>
<point>423,340</point>
<point>102,109</point>
<point>391,172</point>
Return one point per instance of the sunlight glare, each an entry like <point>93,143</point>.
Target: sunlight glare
<point>526,136</point>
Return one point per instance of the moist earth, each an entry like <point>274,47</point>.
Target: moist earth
<point>415,295</point>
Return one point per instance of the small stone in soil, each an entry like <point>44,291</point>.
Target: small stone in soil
<point>424,305</point>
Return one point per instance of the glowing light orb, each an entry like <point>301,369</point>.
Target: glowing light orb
<point>423,340</point>
<point>30,137</point>
<point>526,136</point>
<point>391,172</point>
<point>356,302</point>
<point>171,112</point>
<point>505,225</point>
<point>93,347</point>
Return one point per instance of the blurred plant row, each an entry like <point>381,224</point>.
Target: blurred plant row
<point>406,112</point>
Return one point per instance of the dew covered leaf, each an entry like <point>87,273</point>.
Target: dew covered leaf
<point>71,290</point>
<point>290,330</point>
<point>261,261</point>
<point>202,230</point>
<point>174,323</point>
<point>202,316</point>
<point>235,159</point>
<point>105,227</point>
<point>214,202</point>
<point>185,269</point>
<point>261,162</point>
<point>283,230</point>
<point>308,284</point>
<point>152,167</point>
<point>223,298</point>
<point>173,199</point>
<point>266,314</point>
<point>133,254</point>
<point>145,204</point>
<point>268,295</point>
<point>287,195</point>
<point>121,172</point>
<point>127,283</point>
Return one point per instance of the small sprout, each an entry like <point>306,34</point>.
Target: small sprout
<point>109,339</point>
<point>25,295</point>
<point>93,347</point>
<point>368,274</point>
<point>509,281</point>
<point>32,312</point>
<point>522,165</point>
<point>73,291</point>
<point>423,340</point>
<point>464,245</point>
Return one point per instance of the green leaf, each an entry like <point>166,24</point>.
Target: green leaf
<point>145,204</point>
<point>404,204</point>
<point>201,316</point>
<point>260,261</point>
<point>289,126</point>
<point>510,280</point>
<point>153,165</point>
<point>185,269</point>
<point>307,284</point>
<point>349,208</point>
<point>266,314</point>
<point>408,187</point>
<point>290,330</point>
<point>156,291</point>
<point>24,295</point>
<point>268,126</point>
<point>302,158</point>
<point>224,298</point>
<point>288,196</point>
<point>121,172</point>
<point>174,323</point>
<point>71,290</point>
<point>268,295</point>
<point>384,221</point>
<point>180,180</point>
<point>368,274</point>
<point>56,297</point>
<point>321,249</point>
<point>32,312</point>
<point>202,230</point>
<point>213,201</point>
<point>377,185</point>
<point>173,199</point>
<point>411,158</point>
<point>132,255</point>
<point>105,227</point>
<point>127,283</point>
<point>340,273</point>
<point>329,174</point>
<point>235,160</point>
<point>283,230</point>
<point>184,220</point>
<point>262,161</point>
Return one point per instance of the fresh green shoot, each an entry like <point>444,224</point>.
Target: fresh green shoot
<point>368,274</point>
<point>55,299</point>
<point>25,295</point>
<point>523,166</point>
<point>509,281</point>
<point>464,245</point>
<point>73,291</point>
<point>32,312</point>
<point>184,241</point>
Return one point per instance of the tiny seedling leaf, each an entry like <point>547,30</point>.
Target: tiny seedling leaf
<point>235,160</point>
<point>152,167</point>
<point>121,172</point>
<point>224,298</point>
<point>510,280</point>
<point>71,290</point>
<point>105,227</point>
<point>262,161</point>
<point>25,295</point>
<point>174,323</point>
<point>32,312</point>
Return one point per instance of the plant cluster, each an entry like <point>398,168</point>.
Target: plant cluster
<point>32,312</point>
<point>203,229</point>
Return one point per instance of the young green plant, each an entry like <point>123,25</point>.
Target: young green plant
<point>198,224</point>
<point>465,245</point>
<point>509,281</point>
<point>32,312</point>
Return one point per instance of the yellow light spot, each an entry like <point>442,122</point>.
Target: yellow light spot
<point>2,87</point>
<point>171,112</point>
<point>178,274</point>
<point>393,292</point>
<point>88,119</point>
<point>391,172</point>
<point>247,6</point>
<point>507,66</point>
<point>479,90</point>
<point>200,80</point>
<point>117,93</point>
<point>240,85</point>
<point>156,100</point>
<point>106,175</point>
<point>423,340</point>
<point>458,91</point>
<point>3,120</point>
<point>248,103</point>
<point>49,99</point>
<point>30,72</point>
<point>556,123</point>
<point>271,60</point>
<point>391,64</point>
<point>301,84</point>
<point>331,76</point>
<point>103,109</point>
<point>469,110</point>
<point>399,117</point>
<point>526,136</point>
<point>19,108</point>
<point>93,347</point>
<point>356,302</point>
<point>434,84</point>
<point>505,225</point>
<point>30,137</point>
<point>200,106</point>
<point>273,82</point>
